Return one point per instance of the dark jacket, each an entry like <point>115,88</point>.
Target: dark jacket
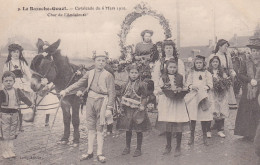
<point>178,80</point>
<point>142,89</point>
<point>4,98</point>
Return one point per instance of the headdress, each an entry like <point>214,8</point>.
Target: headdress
<point>14,47</point>
<point>100,54</point>
<point>133,66</point>
<point>146,31</point>
<point>220,42</point>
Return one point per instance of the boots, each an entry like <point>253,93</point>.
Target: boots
<point>192,131</point>
<point>128,138</point>
<point>204,125</point>
<point>168,147</point>
<point>191,141</point>
<point>139,144</point>
<point>178,147</point>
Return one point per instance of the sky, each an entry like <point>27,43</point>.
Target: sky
<point>99,29</point>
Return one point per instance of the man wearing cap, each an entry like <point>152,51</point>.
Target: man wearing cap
<point>248,113</point>
<point>100,102</point>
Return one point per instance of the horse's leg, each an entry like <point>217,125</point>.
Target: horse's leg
<point>65,105</point>
<point>47,118</point>
<point>20,121</point>
<point>75,118</point>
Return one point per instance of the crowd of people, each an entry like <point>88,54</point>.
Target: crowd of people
<point>157,81</point>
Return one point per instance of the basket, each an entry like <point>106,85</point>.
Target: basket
<point>174,94</point>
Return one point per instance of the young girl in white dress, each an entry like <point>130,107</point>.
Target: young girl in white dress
<point>219,95</point>
<point>171,111</point>
<point>199,81</point>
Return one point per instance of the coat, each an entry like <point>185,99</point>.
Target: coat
<point>248,112</point>
<point>106,85</point>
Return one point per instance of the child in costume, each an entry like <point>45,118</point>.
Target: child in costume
<point>219,94</point>
<point>17,64</point>
<point>171,111</point>
<point>100,102</point>
<point>199,82</point>
<point>10,98</point>
<point>133,102</point>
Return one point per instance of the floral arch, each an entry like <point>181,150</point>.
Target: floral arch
<point>140,10</point>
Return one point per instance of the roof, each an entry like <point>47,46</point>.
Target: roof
<point>239,41</point>
<point>186,52</point>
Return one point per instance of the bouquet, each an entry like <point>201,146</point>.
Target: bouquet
<point>218,116</point>
<point>221,85</point>
<point>174,94</point>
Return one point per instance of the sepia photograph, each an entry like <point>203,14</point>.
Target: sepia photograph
<point>130,82</point>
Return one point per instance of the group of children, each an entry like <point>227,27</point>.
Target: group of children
<point>203,103</point>
<point>16,94</point>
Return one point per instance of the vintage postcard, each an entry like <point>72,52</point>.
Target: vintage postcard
<point>121,82</point>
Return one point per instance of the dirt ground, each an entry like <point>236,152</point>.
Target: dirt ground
<point>31,147</point>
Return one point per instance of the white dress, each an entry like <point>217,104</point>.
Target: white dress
<point>47,103</point>
<point>192,99</point>
<point>227,64</point>
<point>171,110</point>
<point>24,82</point>
<point>219,103</point>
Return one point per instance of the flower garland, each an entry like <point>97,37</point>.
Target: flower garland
<point>139,11</point>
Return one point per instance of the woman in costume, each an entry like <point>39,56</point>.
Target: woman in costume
<point>248,113</point>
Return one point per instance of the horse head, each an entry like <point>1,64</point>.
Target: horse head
<point>42,67</point>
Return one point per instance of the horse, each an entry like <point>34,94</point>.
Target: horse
<point>58,70</point>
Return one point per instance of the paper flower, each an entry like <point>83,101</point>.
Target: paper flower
<point>44,81</point>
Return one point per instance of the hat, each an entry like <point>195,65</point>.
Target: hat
<point>254,41</point>
<point>133,66</point>
<point>200,57</point>
<point>100,54</point>
<point>221,42</point>
<point>159,43</point>
<point>146,31</point>
<point>168,42</point>
<point>14,47</point>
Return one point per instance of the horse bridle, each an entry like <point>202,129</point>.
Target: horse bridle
<point>48,71</point>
